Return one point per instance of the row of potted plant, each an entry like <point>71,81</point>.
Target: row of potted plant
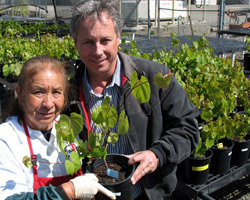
<point>219,90</point>
<point>14,51</point>
<point>12,28</point>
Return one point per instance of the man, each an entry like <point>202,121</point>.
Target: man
<point>163,132</point>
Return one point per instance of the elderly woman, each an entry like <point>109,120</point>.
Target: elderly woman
<point>29,130</point>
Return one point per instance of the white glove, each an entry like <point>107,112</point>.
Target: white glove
<point>87,186</point>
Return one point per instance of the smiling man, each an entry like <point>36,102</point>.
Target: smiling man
<point>163,132</point>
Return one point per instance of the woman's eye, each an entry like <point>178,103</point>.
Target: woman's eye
<point>57,93</point>
<point>38,92</point>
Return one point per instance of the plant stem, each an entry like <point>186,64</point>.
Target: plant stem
<point>105,143</point>
<point>105,162</point>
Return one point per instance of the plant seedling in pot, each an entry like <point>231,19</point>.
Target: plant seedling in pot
<point>105,117</point>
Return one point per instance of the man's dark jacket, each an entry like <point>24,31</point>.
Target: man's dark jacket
<point>166,125</point>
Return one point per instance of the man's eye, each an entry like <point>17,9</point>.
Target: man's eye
<point>89,42</point>
<point>106,40</point>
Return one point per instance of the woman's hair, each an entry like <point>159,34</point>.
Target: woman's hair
<point>30,68</point>
<point>92,9</point>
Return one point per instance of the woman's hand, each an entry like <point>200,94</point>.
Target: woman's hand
<point>85,187</point>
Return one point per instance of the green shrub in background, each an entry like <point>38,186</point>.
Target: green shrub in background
<point>12,28</point>
<point>215,86</point>
<point>16,50</point>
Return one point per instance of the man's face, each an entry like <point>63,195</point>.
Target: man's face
<point>97,44</point>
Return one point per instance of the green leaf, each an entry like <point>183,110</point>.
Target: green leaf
<point>110,116</point>
<point>122,124</point>
<point>162,81</point>
<point>83,149</point>
<point>99,152</point>
<point>15,68</point>
<point>112,138</point>
<point>71,126</point>
<point>109,113</point>
<point>140,88</point>
<point>27,161</point>
<point>74,165</point>
<point>63,127</point>
<point>6,70</point>
<point>76,123</point>
<point>97,116</point>
<point>207,115</point>
<point>67,128</point>
<point>92,140</point>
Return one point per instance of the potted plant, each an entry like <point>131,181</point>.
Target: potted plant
<point>216,131</point>
<point>238,129</point>
<point>197,164</point>
<point>238,123</point>
<point>246,61</point>
<point>106,117</point>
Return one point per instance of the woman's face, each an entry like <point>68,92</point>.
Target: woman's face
<point>44,99</point>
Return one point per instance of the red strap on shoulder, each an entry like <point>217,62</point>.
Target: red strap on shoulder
<point>81,97</point>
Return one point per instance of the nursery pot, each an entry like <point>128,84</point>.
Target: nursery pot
<point>221,159</point>
<point>197,169</point>
<point>240,152</point>
<point>246,61</point>
<point>124,188</point>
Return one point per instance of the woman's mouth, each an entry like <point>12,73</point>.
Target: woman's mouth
<point>47,115</point>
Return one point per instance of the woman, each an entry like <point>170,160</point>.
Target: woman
<point>28,130</point>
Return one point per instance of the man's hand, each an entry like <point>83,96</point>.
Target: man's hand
<point>87,186</point>
<point>148,164</point>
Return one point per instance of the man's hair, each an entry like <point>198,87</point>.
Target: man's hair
<point>92,9</point>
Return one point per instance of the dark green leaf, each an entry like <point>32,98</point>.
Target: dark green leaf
<point>76,123</point>
<point>74,165</point>
<point>140,88</point>
<point>123,124</point>
<point>97,116</point>
<point>112,138</point>
<point>162,81</point>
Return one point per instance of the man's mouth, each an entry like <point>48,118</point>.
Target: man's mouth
<point>98,61</point>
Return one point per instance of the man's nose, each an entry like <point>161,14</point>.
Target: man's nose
<point>98,48</point>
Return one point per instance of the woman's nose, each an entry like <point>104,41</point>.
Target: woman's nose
<point>48,101</point>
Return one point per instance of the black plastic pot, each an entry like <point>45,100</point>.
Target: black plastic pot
<point>248,137</point>
<point>221,159</point>
<point>240,152</point>
<point>123,189</point>
<point>197,169</point>
<point>246,61</point>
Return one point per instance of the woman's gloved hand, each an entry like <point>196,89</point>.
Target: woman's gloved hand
<point>87,186</point>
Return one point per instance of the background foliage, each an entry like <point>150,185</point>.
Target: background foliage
<point>216,87</point>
